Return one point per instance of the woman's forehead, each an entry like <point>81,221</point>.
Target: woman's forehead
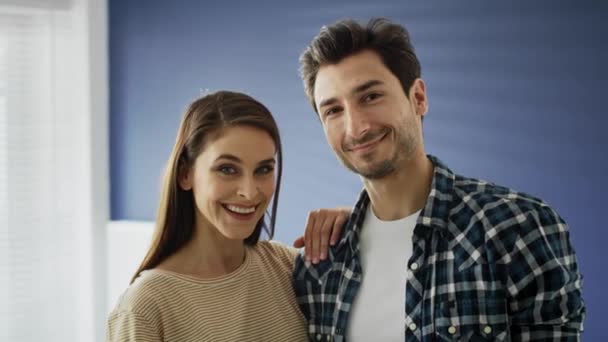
<point>249,144</point>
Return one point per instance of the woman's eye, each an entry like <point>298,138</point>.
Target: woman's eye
<point>264,170</point>
<point>227,170</point>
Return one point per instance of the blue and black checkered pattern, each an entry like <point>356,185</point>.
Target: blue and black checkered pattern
<point>488,264</point>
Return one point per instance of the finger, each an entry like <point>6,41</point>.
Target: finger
<point>299,242</point>
<point>316,237</point>
<point>337,229</point>
<point>310,222</point>
<point>326,229</point>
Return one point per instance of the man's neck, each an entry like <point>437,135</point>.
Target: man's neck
<point>404,192</point>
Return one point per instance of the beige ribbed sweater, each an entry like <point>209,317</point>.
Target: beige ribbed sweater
<point>256,302</point>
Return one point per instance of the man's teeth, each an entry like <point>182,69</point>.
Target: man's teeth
<point>240,210</point>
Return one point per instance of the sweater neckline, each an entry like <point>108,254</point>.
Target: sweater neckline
<point>208,281</point>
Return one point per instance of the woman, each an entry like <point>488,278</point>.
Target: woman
<point>206,276</point>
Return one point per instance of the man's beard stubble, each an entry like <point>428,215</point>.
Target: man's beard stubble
<point>406,145</point>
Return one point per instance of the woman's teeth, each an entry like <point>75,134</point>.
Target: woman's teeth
<point>240,210</point>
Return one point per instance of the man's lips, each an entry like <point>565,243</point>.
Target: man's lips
<point>367,145</point>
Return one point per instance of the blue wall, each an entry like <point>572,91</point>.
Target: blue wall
<point>516,94</point>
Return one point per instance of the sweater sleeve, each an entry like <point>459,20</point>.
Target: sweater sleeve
<point>126,326</point>
<point>286,253</point>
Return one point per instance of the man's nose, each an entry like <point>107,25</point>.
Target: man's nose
<point>357,123</point>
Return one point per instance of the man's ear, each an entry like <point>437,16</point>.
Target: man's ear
<point>418,97</point>
<point>184,177</point>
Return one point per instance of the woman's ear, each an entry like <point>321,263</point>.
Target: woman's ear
<point>185,177</point>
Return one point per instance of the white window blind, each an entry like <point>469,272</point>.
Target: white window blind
<point>47,205</point>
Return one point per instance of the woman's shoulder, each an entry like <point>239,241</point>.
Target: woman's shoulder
<point>138,311</point>
<point>276,252</point>
<point>141,296</point>
<point>277,248</point>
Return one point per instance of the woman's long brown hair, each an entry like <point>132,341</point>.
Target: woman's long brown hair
<point>205,117</point>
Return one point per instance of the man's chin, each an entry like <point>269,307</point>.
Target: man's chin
<point>376,171</point>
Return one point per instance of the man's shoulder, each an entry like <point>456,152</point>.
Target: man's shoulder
<point>482,211</point>
<point>460,198</point>
<point>487,208</point>
<point>480,195</point>
<point>487,221</point>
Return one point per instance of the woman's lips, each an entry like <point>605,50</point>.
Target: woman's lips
<point>240,213</point>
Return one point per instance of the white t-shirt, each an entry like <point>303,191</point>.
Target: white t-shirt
<point>378,312</point>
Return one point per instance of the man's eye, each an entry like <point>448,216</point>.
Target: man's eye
<point>371,97</point>
<point>332,111</point>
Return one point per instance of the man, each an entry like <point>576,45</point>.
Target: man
<point>427,254</point>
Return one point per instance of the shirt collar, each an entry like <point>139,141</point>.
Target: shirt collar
<point>434,215</point>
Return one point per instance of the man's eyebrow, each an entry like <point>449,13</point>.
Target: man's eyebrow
<point>328,102</point>
<point>365,86</point>
<point>358,89</point>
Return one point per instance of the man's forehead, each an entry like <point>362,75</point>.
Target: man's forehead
<point>349,73</point>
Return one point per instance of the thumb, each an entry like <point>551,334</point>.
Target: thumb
<point>299,242</point>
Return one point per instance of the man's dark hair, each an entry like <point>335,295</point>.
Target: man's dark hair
<point>347,37</point>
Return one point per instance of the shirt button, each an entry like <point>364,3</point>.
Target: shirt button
<point>487,329</point>
<point>413,326</point>
<point>452,330</point>
<point>414,266</point>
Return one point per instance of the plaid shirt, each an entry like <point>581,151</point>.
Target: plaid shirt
<point>488,263</point>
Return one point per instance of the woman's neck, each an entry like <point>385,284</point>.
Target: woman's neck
<point>207,255</point>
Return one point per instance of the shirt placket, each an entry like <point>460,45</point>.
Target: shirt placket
<point>415,278</point>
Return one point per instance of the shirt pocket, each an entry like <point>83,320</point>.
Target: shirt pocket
<point>478,319</point>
